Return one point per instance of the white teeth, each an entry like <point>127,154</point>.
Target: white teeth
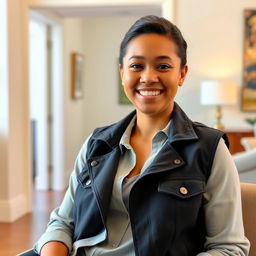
<point>150,93</point>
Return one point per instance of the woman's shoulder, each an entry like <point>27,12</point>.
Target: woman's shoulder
<point>206,132</point>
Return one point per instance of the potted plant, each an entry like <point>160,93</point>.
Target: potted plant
<point>252,121</point>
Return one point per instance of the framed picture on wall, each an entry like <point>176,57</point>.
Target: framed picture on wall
<point>122,97</point>
<point>249,62</point>
<point>77,69</point>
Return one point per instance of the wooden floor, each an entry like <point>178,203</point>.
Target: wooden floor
<point>21,235</point>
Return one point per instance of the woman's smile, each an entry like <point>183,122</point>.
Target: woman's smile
<point>149,92</point>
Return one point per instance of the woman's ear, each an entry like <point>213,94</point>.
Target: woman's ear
<point>121,72</point>
<point>183,74</point>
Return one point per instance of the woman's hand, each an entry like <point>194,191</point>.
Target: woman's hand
<point>54,249</point>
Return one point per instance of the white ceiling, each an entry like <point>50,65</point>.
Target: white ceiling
<point>94,11</point>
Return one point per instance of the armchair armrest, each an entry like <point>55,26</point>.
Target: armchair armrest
<point>245,160</point>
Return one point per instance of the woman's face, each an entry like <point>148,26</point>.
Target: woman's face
<point>151,73</point>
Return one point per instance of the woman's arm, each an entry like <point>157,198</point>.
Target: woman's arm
<point>54,249</point>
<point>223,211</point>
<point>60,231</point>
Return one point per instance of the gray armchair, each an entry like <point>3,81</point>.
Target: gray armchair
<point>246,165</point>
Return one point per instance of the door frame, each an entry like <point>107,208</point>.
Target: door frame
<point>54,178</point>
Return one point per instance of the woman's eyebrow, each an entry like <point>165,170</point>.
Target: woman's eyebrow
<point>163,57</point>
<point>136,57</point>
<point>158,57</point>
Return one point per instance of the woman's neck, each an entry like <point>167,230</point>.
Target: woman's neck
<point>147,126</point>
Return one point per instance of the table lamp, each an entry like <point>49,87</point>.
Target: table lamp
<point>217,93</point>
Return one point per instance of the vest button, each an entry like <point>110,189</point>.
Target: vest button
<point>94,163</point>
<point>88,182</point>
<point>183,191</point>
<point>177,161</point>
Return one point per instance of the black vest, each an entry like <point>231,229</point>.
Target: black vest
<point>166,202</point>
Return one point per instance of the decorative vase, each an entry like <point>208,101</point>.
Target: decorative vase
<point>254,129</point>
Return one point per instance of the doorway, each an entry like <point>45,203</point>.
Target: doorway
<point>45,113</point>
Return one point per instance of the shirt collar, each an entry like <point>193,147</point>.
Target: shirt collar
<point>125,139</point>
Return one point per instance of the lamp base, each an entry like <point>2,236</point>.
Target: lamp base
<point>218,125</point>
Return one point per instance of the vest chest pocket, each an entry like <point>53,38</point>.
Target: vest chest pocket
<point>182,188</point>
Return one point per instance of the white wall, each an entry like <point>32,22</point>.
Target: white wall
<point>214,32</point>
<point>14,130</point>
<point>4,111</point>
<point>74,118</point>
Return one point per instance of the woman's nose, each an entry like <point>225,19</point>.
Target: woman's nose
<point>149,76</point>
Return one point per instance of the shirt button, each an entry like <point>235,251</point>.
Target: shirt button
<point>94,163</point>
<point>183,191</point>
<point>88,182</point>
<point>177,161</point>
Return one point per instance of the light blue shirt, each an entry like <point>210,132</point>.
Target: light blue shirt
<point>222,207</point>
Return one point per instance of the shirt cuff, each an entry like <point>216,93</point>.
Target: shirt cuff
<point>58,236</point>
<point>210,253</point>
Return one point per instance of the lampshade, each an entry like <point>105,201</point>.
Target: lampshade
<point>218,93</point>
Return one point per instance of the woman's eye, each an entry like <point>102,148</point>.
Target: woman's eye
<point>136,66</point>
<point>163,66</point>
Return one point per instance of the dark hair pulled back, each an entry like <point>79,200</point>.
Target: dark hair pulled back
<point>158,25</point>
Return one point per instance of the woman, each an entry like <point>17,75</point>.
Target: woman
<point>155,183</point>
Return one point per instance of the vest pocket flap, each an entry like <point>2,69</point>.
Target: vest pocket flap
<point>182,188</point>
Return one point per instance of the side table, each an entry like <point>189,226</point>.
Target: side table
<point>235,137</point>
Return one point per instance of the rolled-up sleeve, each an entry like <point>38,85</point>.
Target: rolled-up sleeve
<point>223,210</point>
<point>61,224</point>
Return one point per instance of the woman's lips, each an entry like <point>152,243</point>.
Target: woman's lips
<point>149,92</point>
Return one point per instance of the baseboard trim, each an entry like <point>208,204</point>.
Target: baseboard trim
<point>11,210</point>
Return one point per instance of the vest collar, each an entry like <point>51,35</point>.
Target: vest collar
<point>181,128</point>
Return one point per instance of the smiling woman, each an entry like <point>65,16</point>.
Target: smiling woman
<point>154,183</point>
